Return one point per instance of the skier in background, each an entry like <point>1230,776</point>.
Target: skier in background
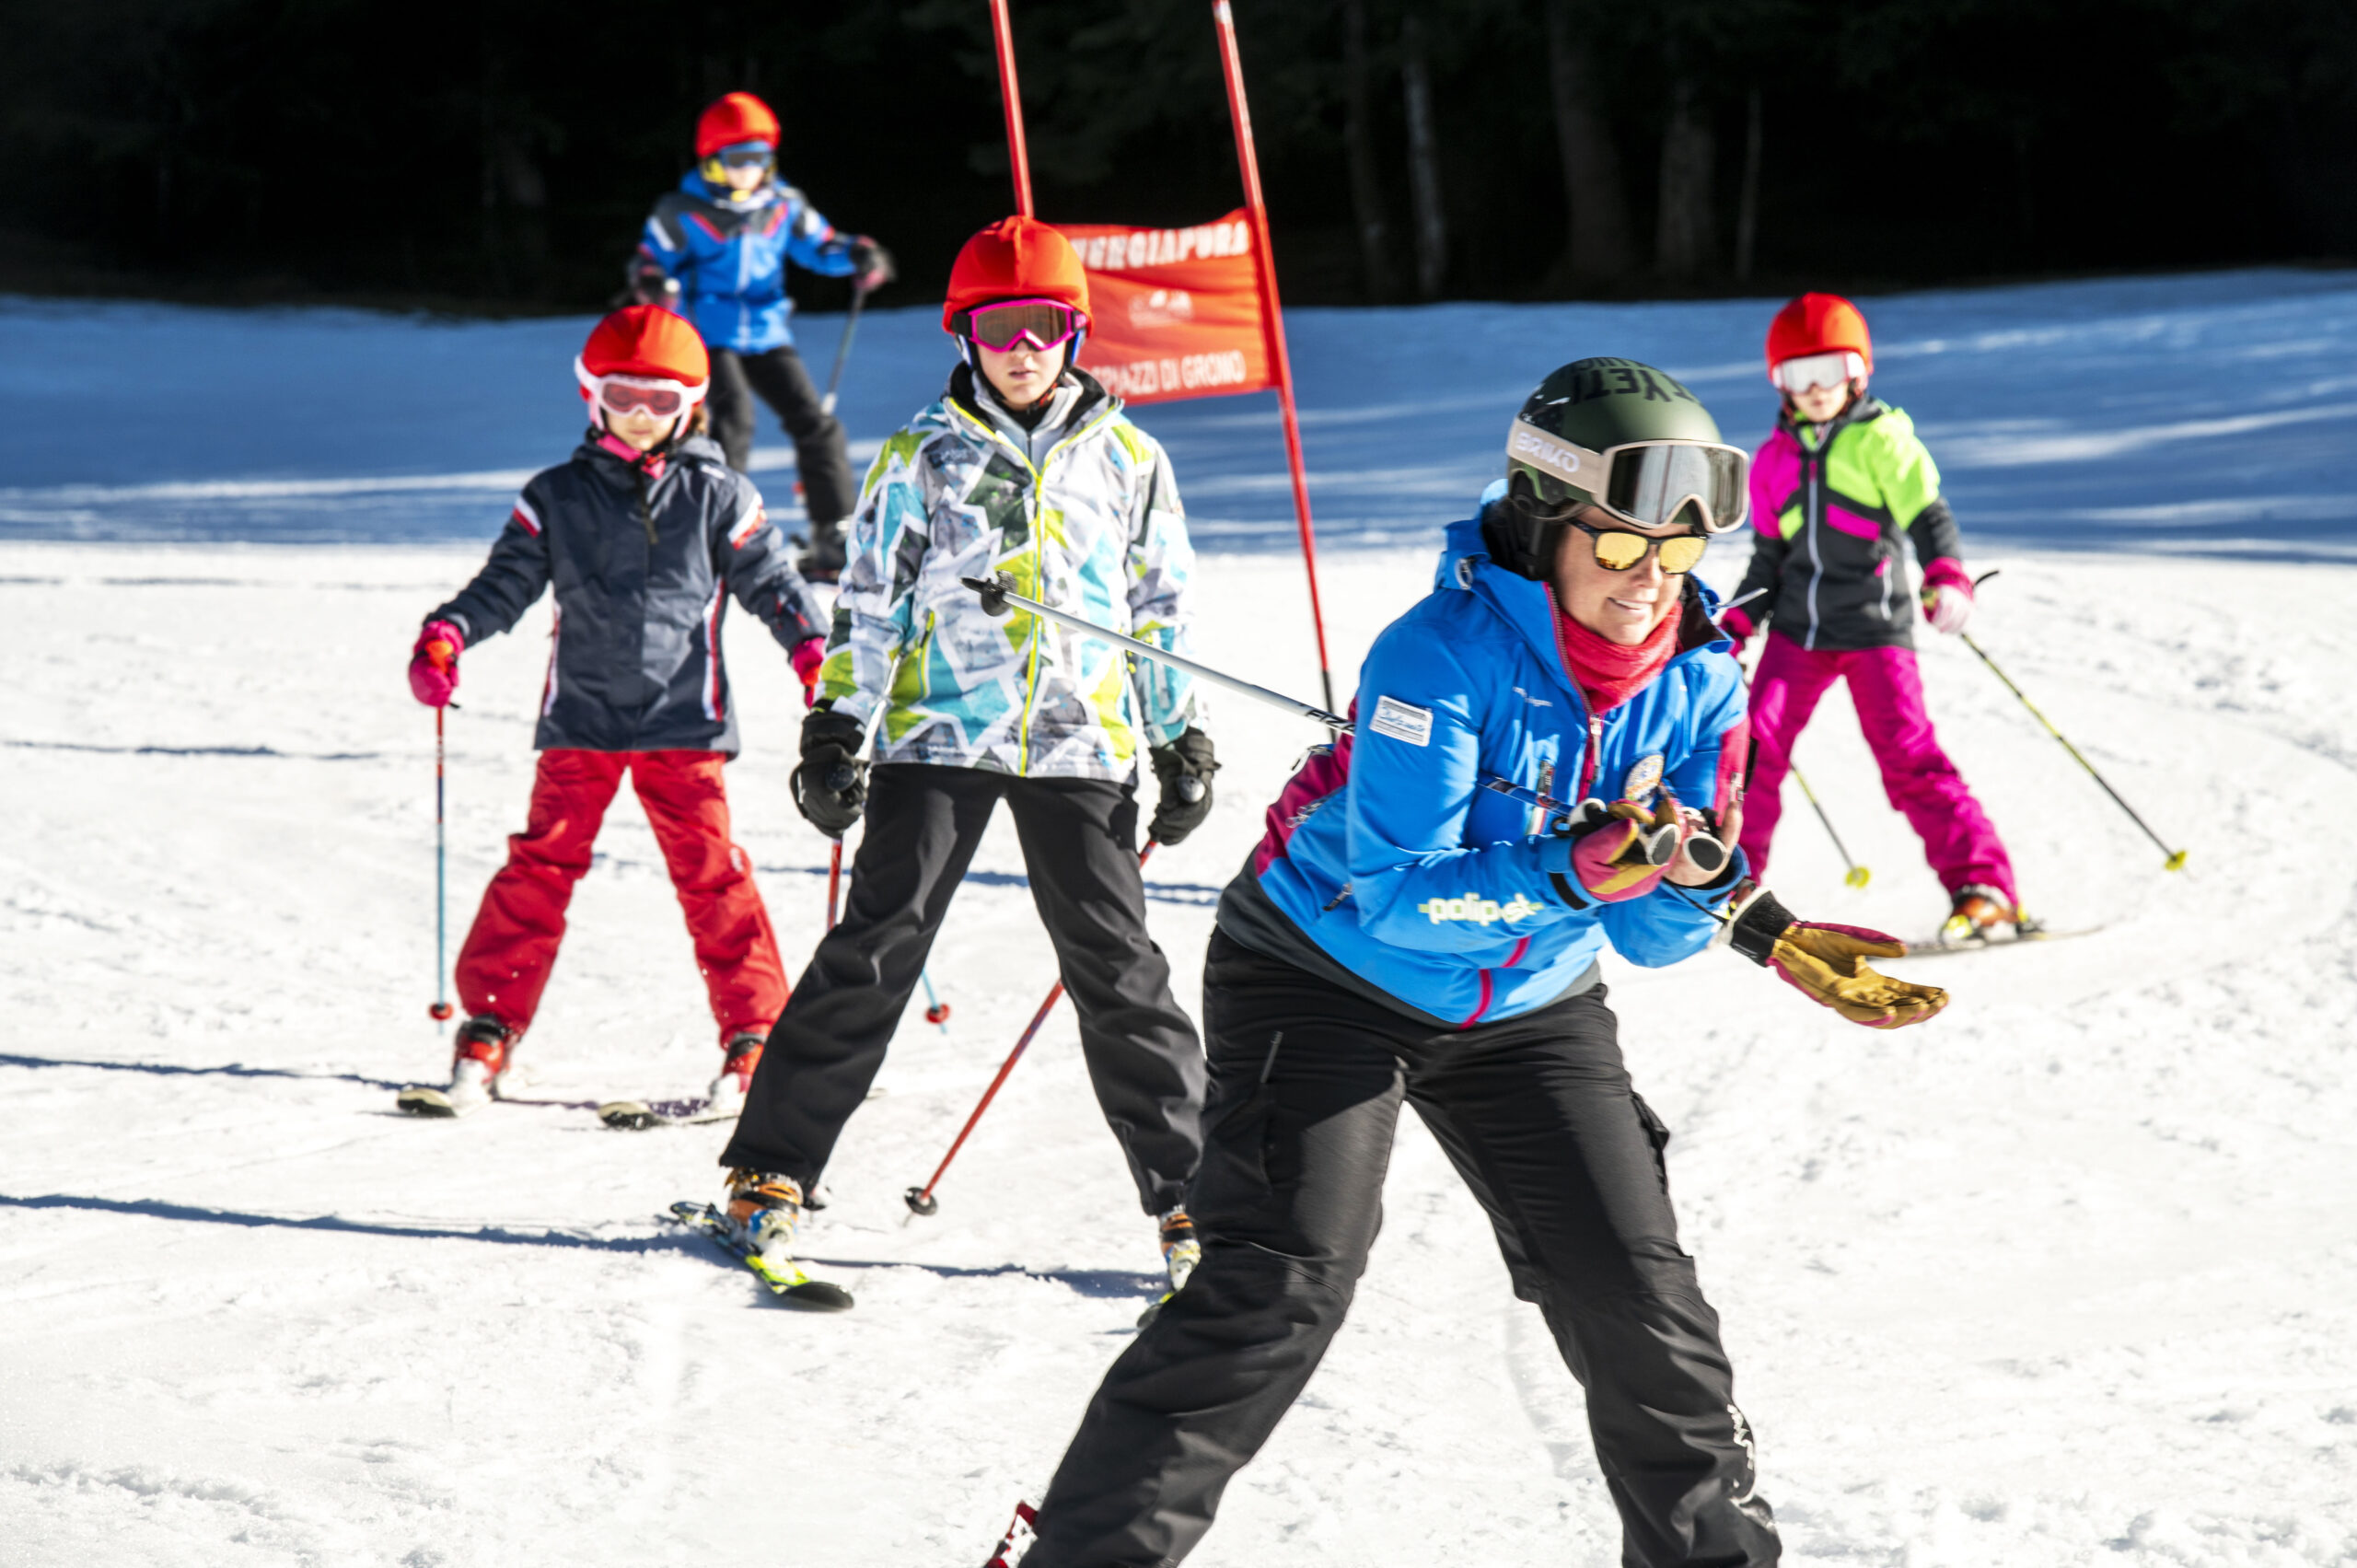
<point>1841,481</point>
<point>1405,934</point>
<point>1025,464</point>
<point>642,534</point>
<point>715,250</point>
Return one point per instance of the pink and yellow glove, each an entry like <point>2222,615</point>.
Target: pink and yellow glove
<point>807,656</point>
<point>1612,853</point>
<point>1947,595</point>
<point>1827,963</point>
<point>434,663</point>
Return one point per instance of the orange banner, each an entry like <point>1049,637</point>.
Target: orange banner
<point>1174,312</point>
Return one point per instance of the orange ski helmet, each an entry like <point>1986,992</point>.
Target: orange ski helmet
<point>649,342</point>
<point>1014,259</point>
<point>734,121</point>
<point>1819,323</point>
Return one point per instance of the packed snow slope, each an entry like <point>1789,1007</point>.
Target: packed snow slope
<point>2208,414</point>
<point>2068,1276</point>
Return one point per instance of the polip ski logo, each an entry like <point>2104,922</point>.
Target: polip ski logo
<point>1477,909</point>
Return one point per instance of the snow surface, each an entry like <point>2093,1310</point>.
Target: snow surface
<point>2067,1277</point>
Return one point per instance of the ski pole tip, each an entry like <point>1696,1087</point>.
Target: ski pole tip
<point>1857,876</point>
<point>442,1012</point>
<point>921,1202</point>
<point>2175,861</point>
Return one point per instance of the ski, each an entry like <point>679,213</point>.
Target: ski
<point>1016,1542</point>
<point>424,1099</point>
<point>640,1115</point>
<point>785,1280</point>
<point>1932,947</point>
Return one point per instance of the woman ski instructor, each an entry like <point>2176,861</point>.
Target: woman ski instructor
<point>1404,933</point>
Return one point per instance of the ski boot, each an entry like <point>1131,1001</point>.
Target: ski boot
<point>1979,915</point>
<point>486,1053</point>
<point>823,560</point>
<point>1180,1248</point>
<point>1014,1546</point>
<point>762,1212</point>
<point>742,1054</point>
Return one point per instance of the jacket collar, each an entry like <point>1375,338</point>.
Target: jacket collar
<point>1864,410</point>
<point>723,198</point>
<point>1529,608</point>
<point>1078,398</point>
<point>622,473</point>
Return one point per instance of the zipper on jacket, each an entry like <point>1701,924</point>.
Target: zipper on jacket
<point>1815,462</point>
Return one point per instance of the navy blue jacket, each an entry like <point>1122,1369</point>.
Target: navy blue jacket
<point>643,572</point>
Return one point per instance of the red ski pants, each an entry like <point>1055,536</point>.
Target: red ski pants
<point>1888,690</point>
<point>512,944</point>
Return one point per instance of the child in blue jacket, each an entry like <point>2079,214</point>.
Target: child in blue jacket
<point>715,250</point>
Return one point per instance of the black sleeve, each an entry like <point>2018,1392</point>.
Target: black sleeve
<point>516,574</point>
<point>759,569</point>
<point>1768,553</point>
<point>1935,533</point>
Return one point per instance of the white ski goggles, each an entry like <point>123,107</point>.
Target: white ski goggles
<point>625,394</point>
<point>1646,482</point>
<point>1808,371</point>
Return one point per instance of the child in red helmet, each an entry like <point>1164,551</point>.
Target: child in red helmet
<point>1025,464</point>
<point>643,534</point>
<point>715,249</point>
<point>1834,491</point>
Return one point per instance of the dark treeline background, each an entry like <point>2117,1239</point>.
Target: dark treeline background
<point>500,154</point>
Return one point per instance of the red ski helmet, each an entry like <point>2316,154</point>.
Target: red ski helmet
<point>647,341</point>
<point>1819,323</point>
<point>1016,258</point>
<point>739,118</point>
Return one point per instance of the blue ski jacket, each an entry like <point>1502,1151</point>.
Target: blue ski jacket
<point>728,257</point>
<point>1387,855</point>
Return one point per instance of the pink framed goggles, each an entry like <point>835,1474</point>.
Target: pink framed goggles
<point>626,394</point>
<point>1007,323</point>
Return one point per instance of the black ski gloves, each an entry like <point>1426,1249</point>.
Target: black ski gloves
<point>830,786</point>
<point>1184,769</point>
<point>871,265</point>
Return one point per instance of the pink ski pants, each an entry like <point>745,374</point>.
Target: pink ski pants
<point>1923,786</point>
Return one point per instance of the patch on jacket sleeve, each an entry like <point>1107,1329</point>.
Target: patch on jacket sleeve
<point>756,518</point>
<point>1401,721</point>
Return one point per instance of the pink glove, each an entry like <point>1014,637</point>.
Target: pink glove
<point>1621,850</point>
<point>807,656</point>
<point>434,663</point>
<point>1737,624</point>
<point>1947,595</point>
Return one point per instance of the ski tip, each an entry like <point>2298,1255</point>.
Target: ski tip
<point>1153,1310</point>
<point>629,1115</point>
<point>422,1101</point>
<point>816,1296</point>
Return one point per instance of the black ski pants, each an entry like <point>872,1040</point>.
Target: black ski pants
<point>1079,839</point>
<point>828,492</point>
<point>1538,1114</point>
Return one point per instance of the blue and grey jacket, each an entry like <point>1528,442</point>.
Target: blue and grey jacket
<point>728,256</point>
<point>1386,855</point>
<point>642,572</point>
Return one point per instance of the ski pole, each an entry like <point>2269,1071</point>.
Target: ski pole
<point>835,881</point>
<point>438,654</point>
<point>937,1011</point>
<point>843,349</point>
<point>1856,875</point>
<point>921,1200</point>
<point>2175,858</point>
<point>996,595</point>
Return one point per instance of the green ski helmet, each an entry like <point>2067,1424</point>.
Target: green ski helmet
<point>1623,437</point>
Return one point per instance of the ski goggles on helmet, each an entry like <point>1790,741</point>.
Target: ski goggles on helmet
<point>1616,550</point>
<point>747,155</point>
<point>1808,371</point>
<point>626,394</point>
<point>1647,483</point>
<point>1002,326</point>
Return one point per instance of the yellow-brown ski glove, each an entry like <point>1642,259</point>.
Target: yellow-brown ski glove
<point>1827,963</point>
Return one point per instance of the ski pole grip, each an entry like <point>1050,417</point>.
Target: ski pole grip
<point>992,592</point>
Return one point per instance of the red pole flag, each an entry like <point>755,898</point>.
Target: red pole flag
<point>1174,312</point>
<point>1011,96</point>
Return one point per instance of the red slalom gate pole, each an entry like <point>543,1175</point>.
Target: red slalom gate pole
<point>921,1200</point>
<point>1273,316</point>
<point>1011,97</point>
